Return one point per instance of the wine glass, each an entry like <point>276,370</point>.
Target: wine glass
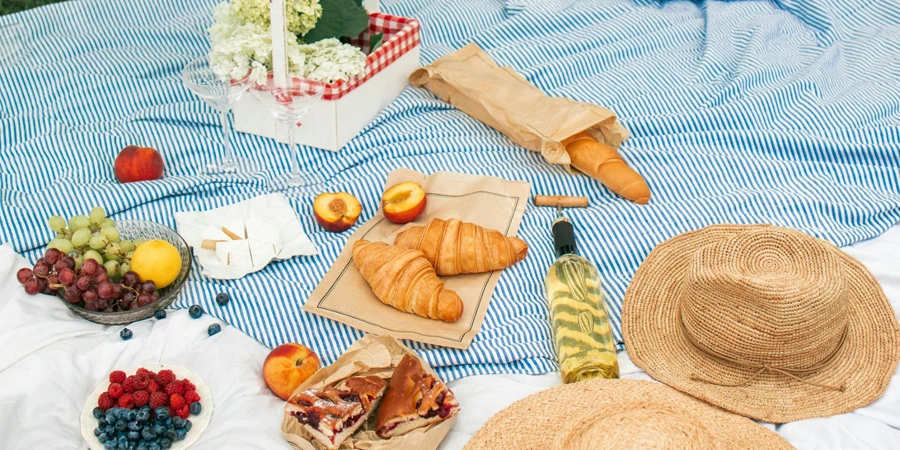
<point>289,104</point>
<point>220,93</point>
<point>12,44</point>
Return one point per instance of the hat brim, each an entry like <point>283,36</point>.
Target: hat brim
<point>602,414</point>
<point>864,364</point>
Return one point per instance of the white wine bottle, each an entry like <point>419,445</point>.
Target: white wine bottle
<point>581,329</point>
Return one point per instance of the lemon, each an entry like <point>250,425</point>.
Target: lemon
<point>157,261</point>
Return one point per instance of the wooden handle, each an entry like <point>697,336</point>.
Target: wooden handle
<point>564,201</point>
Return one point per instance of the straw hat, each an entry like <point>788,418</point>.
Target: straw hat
<point>619,414</point>
<point>763,321</point>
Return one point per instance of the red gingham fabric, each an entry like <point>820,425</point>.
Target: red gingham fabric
<point>400,36</point>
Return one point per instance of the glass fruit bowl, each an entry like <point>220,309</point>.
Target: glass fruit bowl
<point>142,229</point>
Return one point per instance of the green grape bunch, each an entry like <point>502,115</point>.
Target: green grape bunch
<point>93,236</point>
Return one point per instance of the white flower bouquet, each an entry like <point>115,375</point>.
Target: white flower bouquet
<point>241,41</point>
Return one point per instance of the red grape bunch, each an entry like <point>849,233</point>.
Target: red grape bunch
<point>89,287</point>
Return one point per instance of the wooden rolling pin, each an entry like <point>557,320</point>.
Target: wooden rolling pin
<point>563,201</point>
<point>603,163</point>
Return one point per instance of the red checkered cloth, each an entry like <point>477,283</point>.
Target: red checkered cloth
<point>400,36</point>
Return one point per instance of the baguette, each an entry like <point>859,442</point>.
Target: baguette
<point>603,163</point>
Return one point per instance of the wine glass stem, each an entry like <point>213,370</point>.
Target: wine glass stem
<point>226,135</point>
<point>295,153</point>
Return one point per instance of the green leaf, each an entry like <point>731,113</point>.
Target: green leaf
<point>340,18</point>
<point>375,42</point>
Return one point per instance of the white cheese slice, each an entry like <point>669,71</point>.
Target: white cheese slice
<point>264,231</point>
<point>234,253</point>
<point>234,226</point>
<point>261,252</point>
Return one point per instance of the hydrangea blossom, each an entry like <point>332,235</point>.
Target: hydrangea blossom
<point>301,14</point>
<point>240,46</point>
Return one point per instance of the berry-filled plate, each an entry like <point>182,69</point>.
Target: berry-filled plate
<point>152,407</point>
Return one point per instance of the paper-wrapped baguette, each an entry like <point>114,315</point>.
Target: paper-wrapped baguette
<point>603,163</point>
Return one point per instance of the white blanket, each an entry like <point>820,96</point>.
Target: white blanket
<point>50,361</point>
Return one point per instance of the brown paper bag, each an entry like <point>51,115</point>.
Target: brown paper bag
<point>345,296</point>
<point>371,355</point>
<point>504,100</point>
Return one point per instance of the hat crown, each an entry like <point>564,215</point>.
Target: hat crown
<point>770,296</point>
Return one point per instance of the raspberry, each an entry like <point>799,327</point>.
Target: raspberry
<point>184,412</point>
<point>105,401</point>
<point>152,386</point>
<point>176,401</point>
<point>126,401</point>
<point>148,374</point>
<point>115,390</point>
<point>188,386</point>
<point>117,376</point>
<point>158,399</point>
<point>164,377</point>
<point>175,387</point>
<point>191,397</point>
<point>141,398</point>
<point>128,385</point>
<point>141,382</point>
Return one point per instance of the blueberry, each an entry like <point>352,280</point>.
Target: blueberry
<point>222,298</point>
<point>187,426</point>
<point>125,334</point>
<point>110,444</point>
<point>98,412</point>
<point>161,413</point>
<point>178,422</point>
<point>196,407</point>
<point>103,437</point>
<point>168,423</point>
<point>148,434</point>
<point>130,415</point>
<point>160,314</point>
<point>133,435</point>
<point>141,446</point>
<point>180,434</point>
<point>110,417</point>
<point>195,311</point>
<point>121,425</point>
<point>134,425</point>
<point>98,431</point>
<point>142,415</point>
<point>121,442</point>
<point>213,329</point>
<point>165,442</point>
<point>102,420</point>
<point>153,446</point>
<point>109,430</point>
<point>158,429</point>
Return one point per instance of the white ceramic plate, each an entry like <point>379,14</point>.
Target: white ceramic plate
<point>198,423</point>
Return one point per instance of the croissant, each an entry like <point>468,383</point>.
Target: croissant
<point>404,279</point>
<point>454,247</point>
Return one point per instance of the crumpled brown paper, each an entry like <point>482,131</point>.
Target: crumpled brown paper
<point>344,295</point>
<point>501,98</point>
<point>371,355</point>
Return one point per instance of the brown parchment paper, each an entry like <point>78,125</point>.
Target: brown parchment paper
<point>345,296</point>
<point>504,100</point>
<point>371,355</point>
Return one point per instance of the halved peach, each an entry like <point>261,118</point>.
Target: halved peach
<point>403,202</point>
<point>336,211</point>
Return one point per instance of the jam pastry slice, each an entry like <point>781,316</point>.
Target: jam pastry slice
<point>413,400</point>
<point>332,414</point>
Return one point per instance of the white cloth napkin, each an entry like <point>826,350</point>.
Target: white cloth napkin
<point>272,208</point>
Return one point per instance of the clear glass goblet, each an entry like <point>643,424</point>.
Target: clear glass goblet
<point>289,104</point>
<point>220,93</point>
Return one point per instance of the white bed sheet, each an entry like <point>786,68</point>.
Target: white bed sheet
<point>50,362</point>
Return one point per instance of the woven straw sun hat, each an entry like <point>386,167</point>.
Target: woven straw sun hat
<point>619,414</point>
<point>763,321</point>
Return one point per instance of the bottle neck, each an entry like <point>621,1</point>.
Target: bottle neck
<point>564,238</point>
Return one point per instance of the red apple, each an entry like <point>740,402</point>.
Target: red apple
<point>403,202</point>
<point>138,164</point>
<point>336,211</point>
<point>287,367</point>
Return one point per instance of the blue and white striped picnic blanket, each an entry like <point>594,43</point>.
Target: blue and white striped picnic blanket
<point>758,111</point>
